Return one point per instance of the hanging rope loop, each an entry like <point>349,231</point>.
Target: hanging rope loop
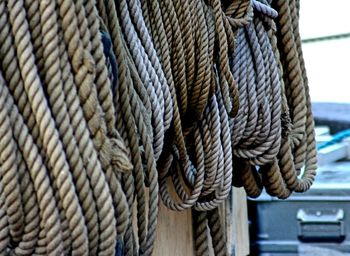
<point>109,107</point>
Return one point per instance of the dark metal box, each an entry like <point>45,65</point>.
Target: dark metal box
<point>313,223</point>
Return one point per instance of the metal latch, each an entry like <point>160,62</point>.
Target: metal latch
<point>321,225</point>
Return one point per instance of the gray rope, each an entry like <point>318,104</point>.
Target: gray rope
<point>107,106</point>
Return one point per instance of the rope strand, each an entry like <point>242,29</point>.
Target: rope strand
<point>106,107</point>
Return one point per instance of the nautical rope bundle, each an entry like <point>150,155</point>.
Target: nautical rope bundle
<point>267,101</point>
<point>107,106</point>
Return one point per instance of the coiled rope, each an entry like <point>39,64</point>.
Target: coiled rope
<point>107,106</point>
<point>277,105</point>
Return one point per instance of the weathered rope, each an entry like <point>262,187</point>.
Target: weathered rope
<point>107,106</point>
<point>89,226</point>
<point>257,138</point>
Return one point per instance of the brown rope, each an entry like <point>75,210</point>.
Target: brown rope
<point>259,141</point>
<point>107,106</point>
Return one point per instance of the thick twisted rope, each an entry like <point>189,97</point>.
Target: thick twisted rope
<point>51,143</point>
<point>107,106</point>
<point>38,173</point>
<point>71,135</point>
<point>259,141</point>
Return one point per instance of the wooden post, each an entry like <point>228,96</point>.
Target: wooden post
<point>240,219</point>
<point>174,233</point>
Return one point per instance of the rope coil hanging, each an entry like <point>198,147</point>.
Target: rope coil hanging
<point>286,100</point>
<point>109,107</point>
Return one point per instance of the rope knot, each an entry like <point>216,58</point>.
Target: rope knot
<point>83,59</point>
<point>113,152</point>
<point>119,155</point>
<point>89,63</point>
<point>286,124</point>
<point>239,13</point>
